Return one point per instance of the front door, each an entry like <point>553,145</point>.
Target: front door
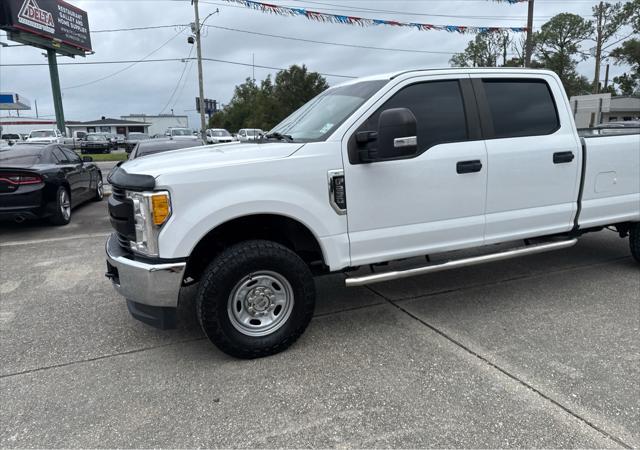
<point>431,202</point>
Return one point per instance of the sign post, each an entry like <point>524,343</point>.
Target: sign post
<point>55,88</point>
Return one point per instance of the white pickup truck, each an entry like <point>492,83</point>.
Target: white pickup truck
<point>374,170</point>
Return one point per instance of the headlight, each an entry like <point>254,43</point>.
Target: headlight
<point>150,211</point>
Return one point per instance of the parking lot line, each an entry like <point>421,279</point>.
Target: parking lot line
<point>42,241</point>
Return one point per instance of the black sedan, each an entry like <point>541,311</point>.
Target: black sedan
<point>96,143</point>
<point>45,181</point>
<point>150,147</point>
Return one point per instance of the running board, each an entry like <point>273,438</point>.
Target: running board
<point>466,262</point>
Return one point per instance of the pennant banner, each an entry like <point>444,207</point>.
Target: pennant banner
<point>364,22</point>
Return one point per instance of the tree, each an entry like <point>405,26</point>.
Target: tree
<point>264,106</point>
<point>484,51</point>
<point>608,19</point>
<point>628,53</point>
<point>558,49</point>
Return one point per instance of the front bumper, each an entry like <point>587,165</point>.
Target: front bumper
<point>154,285</point>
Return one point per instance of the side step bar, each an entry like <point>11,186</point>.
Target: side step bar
<point>466,262</point>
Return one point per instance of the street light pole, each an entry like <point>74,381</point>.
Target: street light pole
<point>529,44</point>
<point>203,126</point>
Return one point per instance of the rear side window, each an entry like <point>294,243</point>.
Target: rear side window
<point>438,108</point>
<point>60,157</point>
<point>521,108</point>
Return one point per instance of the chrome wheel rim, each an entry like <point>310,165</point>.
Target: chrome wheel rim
<point>260,303</point>
<point>100,189</point>
<point>65,204</point>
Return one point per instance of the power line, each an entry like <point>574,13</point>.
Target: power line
<point>138,61</point>
<point>184,69</point>
<point>155,27</point>
<point>340,44</point>
<point>128,67</point>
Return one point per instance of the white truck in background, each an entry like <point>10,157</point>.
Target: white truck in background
<point>374,170</point>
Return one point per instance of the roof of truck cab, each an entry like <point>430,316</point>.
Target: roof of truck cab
<point>446,70</point>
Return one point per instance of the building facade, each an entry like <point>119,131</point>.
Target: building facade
<point>158,124</point>
<point>107,125</point>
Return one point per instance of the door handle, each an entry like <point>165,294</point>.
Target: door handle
<point>469,166</point>
<point>563,157</point>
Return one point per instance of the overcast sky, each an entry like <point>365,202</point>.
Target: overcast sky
<point>147,87</point>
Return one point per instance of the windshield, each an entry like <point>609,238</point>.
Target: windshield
<point>320,116</point>
<point>10,136</point>
<point>96,137</point>
<point>181,132</point>
<point>252,132</point>
<point>138,136</point>
<point>42,133</point>
<point>220,133</point>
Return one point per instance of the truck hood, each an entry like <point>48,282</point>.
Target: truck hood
<point>209,156</point>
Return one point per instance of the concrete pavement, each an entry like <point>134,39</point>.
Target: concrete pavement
<point>535,352</point>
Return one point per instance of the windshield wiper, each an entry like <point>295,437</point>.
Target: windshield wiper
<point>279,136</point>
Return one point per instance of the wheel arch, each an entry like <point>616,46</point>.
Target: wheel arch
<point>279,228</point>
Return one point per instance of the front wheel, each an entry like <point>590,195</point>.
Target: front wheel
<point>255,299</point>
<point>634,240</point>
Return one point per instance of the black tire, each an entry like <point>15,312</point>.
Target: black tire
<point>99,193</point>
<point>245,263</point>
<point>62,208</point>
<point>634,241</point>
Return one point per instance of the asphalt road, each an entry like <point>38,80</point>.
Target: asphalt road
<point>534,352</point>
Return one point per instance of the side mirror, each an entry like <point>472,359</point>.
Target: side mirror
<point>87,159</point>
<point>397,134</point>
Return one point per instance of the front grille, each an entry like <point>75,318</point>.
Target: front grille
<point>121,216</point>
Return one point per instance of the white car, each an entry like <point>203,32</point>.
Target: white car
<point>180,133</point>
<point>249,134</point>
<point>374,170</point>
<point>45,136</point>
<point>218,136</point>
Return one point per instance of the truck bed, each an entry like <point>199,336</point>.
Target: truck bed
<point>611,179</point>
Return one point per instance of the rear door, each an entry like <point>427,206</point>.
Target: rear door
<point>81,167</point>
<point>72,173</point>
<point>432,201</point>
<point>534,156</point>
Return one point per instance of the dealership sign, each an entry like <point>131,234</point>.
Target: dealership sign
<point>55,21</point>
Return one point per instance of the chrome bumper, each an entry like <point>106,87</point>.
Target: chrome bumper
<point>147,284</point>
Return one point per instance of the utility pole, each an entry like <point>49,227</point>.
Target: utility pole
<point>598,54</point>
<point>606,78</point>
<point>203,126</point>
<point>55,88</point>
<point>529,43</point>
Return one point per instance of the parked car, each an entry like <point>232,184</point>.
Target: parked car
<point>44,136</point>
<point>133,139</point>
<point>45,181</point>
<point>154,146</point>
<point>375,170</point>
<point>119,139</point>
<point>9,139</point>
<point>249,134</point>
<point>95,143</point>
<point>180,133</point>
<point>218,136</point>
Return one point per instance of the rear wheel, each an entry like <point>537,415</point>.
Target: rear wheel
<point>255,299</point>
<point>634,240</point>
<point>62,208</point>
<point>99,194</point>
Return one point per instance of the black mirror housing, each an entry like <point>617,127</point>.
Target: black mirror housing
<point>397,134</point>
